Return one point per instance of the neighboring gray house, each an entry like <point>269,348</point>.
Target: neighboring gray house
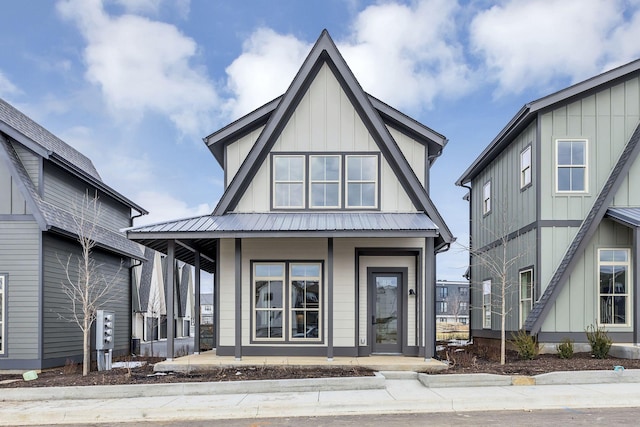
<point>452,302</point>
<point>560,185</point>
<point>206,309</point>
<point>40,178</point>
<point>324,241</point>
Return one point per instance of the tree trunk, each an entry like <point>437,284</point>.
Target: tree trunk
<point>503,323</point>
<point>86,348</point>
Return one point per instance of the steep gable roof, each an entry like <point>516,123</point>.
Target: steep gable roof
<point>325,52</point>
<point>587,230</point>
<point>531,110</point>
<point>27,132</point>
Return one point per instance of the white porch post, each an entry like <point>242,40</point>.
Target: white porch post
<point>330,299</point>
<point>170,286</point>
<point>429,299</point>
<point>196,338</point>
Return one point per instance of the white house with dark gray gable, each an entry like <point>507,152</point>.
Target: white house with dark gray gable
<point>560,187</point>
<point>41,177</point>
<point>324,242</point>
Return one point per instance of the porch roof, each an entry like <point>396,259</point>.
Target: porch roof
<point>198,233</point>
<point>627,216</point>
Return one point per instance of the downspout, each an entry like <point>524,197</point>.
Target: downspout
<point>468,187</point>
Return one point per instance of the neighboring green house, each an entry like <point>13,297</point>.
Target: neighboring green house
<point>560,186</point>
<point>324,241</point>
<point>41,178</point>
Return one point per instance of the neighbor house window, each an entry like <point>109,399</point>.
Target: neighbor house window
<point>324,181</point>
<point>525,167</point>
<point>486,198</point>
<point>572,165</point>
<point>442,307</point>
<point>281,288</point>
<point>613,301</point>
<point>526,294</point>
<point>362,181</point>
<point>288,181</point>
<point>463,291</point>
<point>486,304</point>
<point>464,307</point>
<point>2,316</point>
<point>443,292</point>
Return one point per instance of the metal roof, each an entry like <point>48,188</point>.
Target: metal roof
<point>628,216</point>
<point>300,224</point>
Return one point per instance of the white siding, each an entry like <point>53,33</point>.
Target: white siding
<point>237,152</point>
<point>413,151</point>
<point>227,293</point>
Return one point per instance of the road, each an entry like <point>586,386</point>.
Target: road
<point>565,417</point>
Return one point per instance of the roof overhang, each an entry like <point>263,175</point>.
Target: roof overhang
<point>626,216</point>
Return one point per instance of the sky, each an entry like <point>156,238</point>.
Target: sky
<point>136,84</point>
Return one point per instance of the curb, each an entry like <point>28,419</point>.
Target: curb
<point>191,389</point>
<point>552,378</point>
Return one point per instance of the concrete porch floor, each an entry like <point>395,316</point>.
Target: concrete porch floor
<point>210,360</point>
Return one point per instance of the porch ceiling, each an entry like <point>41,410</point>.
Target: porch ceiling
<point>185,250</point>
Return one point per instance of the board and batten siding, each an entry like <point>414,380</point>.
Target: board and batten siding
<point>237,152</point>
<point>226,307</point>
<point>31,162</point>
<point>63,338</point>
<point>326,121</point>
<point>64,190</point>
<point>413,151</point>
<point>606,119</point>
<point>11,200</point>
<point>520,254</point>
<point>577,304</point>
<point>20,261</point>
<point>511,207</point>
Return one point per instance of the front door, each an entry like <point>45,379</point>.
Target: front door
<point>386,319</point>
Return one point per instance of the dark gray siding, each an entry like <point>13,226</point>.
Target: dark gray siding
<point>19,259</point>
<point>63,190</point>
<point>31,163</point>
<point>11,200</point>
<point>62,338</point>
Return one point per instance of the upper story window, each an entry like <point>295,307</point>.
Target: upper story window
<point>486,198</point>
<point>324,181</point>
<point>332,181</point>
<point>486,304</point>
<point>288,181</point>
<point>362,181</point>
<point>571,159</point>
<point>525,167</point>
<point>526,294</point>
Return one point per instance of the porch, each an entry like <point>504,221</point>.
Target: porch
<point>210,360</point>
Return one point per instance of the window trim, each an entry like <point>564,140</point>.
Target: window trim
<point>274,182</point>
<point>524,184</point>
<point>339,181</point>
<point>3,313</point>
<point>522,301</point>
<point>585,166</point>
<point>376,181</point>
<point>628,284</point>
<point>287,308</point>
<point>486,199</point>
<point>486,290</point>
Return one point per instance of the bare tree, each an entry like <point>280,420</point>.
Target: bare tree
<point>499,263</point>
<point>154,310</point>
<point>86,286</point>
<point>454,301</point>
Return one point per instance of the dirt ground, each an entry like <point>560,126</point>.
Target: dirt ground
<point>466,361</point>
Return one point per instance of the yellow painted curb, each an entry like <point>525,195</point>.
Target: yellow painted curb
<point>522,380</point>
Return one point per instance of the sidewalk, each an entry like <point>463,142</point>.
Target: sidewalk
<point>389,392</point>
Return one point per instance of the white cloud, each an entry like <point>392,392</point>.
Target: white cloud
<point>6,87</point>
<point>529,43</point>
<point>136,73</point>
<point>165,207</point>
<point>405,54</point>
<point>152,7</point>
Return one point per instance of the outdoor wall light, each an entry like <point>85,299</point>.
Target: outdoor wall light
<point>412,292</point>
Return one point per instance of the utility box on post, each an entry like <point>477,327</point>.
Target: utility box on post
<point>105,321</point>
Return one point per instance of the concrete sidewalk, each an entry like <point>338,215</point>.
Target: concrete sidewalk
<point>389,392</point>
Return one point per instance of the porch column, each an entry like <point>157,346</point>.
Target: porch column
<point>330,299</point>
<point>429,299</point>
<point>170,286</point>
<point>196,338</point>
<point>238,309</point>
<point>635,264</point>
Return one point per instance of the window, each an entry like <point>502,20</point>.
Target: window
<point>486,198</point>
<point>325,181</point>
<point>287,288</point>
<point>486,304</point>
<point>525,167</point>
<point>288,181</point>
<point>443,292</point>
<point>463,291</point>
<point>526,294</point>
<point>572,165</point>
<point>442,307</point>
<point>464,307</point>
<point>613,301</point>
<point>2,320</point>
<point>362,179</point>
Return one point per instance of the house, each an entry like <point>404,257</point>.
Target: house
<point>557,192</point>
<point>452,301</point>
<point>206,309</point>
<point>325,238</point>
<point>149,306</point>
<point>41,178</point>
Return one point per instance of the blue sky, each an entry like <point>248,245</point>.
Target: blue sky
<point>136,84</point>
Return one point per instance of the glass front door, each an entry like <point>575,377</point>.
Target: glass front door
<point>386,318</point>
